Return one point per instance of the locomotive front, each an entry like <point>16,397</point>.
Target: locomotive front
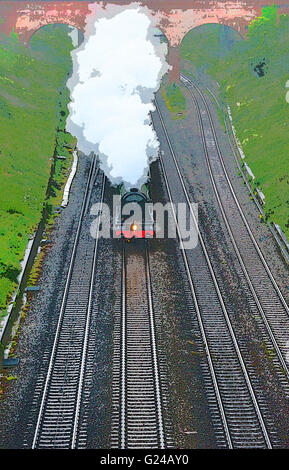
<point>135,219</point>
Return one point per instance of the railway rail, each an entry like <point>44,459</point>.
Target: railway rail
<point>239,412</point>
<point>238,406</point>
<point>235,151</point>
<point>138,386</point>
<point>62,387</point>
<point>269,302</point>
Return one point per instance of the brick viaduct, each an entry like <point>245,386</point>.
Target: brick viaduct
<point>173,17</point>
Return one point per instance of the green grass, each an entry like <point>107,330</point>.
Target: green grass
<point>33,110</point>
<point>259,109</point>
<point>208,44</point>
<point>175,100</point>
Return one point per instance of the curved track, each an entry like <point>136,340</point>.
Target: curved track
<point>238,411</point>
<point>268,301</point>
<point>57,424</point>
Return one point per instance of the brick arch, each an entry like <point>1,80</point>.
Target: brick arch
<point>26,17</point>
<point>242,33</point>
<point>28,35</point>
<point>174,17</point>
<point>175,50</point>
<point>176,24</point>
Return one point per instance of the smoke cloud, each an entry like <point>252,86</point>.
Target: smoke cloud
<point>116,71</point>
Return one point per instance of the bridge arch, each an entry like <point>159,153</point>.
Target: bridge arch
<point>174,17</point>
<point>227,27</point>
<point>174,55</point>
<point>29,34</point>
<point>210,30</point>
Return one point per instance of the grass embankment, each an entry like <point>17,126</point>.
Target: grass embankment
<point>252,75</point>
<point>33,111</point>
<point>175,100</point>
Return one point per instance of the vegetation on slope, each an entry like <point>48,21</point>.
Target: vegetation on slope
<point>33,110</point>
<point>252,74</point>
<point>175,100</point>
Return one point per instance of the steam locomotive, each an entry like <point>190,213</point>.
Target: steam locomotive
<point>134,218</point>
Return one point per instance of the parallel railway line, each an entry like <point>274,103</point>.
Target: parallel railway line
<point>238,409</point>
<point>269,301</point>
<point>138,387</point>
<point>61,388</point>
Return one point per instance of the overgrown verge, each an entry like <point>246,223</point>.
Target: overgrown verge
<point>175,100</point>
<point>252,74</point>
<point>33,111</point>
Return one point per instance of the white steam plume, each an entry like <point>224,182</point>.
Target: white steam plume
<point>115,73</point>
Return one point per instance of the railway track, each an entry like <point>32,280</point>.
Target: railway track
<point>268,301</point>
<point>238,408</point>
<point>233,144</point>
<point>60,390</point>
<point>138,387</point>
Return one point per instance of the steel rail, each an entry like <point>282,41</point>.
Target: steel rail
<point>240,208</point>
<point>240,258</point>
<point>160,419</point>
<point>155,423</point>
<point>62,309</point>
<point>200,320</point>
<point>88,316</point>
<point>123,355</point>
<point>226,315</point>
<point>230,133</point>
